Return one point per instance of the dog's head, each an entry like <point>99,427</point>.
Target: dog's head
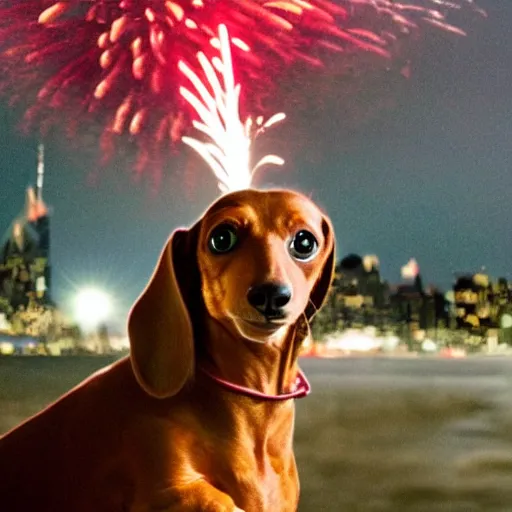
<point>256,262</point>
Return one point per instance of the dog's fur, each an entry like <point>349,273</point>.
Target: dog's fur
<point>154,432</point>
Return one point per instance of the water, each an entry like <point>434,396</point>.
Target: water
<point>379,435</point>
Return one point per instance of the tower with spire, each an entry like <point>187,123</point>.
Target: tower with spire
<point>25,271</point>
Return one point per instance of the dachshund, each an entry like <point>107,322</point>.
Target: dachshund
<point>200,415</point>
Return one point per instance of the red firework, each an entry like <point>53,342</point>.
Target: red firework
<point>114,63</point>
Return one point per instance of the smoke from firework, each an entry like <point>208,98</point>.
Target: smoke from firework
<point>114,63</point>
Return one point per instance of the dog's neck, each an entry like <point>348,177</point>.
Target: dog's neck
<point>269,368</point>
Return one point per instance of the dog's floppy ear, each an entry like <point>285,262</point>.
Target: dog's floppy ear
<point>160,324</point>
<point>323,283</point>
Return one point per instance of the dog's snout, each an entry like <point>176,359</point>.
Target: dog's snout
<point>269,298</point>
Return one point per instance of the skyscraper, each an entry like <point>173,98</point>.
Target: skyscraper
<point>25,271</point>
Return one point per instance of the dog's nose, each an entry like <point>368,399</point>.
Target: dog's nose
<point>269,298</point>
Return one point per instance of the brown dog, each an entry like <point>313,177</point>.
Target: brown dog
<point>200,418</point>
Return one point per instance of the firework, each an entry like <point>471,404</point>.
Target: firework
<point>113,64</point>
<point>229,151</point>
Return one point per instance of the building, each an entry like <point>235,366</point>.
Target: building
<point>416,308</point>
<point>360,295</point>
<point>25,269</point>
<point>479,303</point>
<point>477,308</point>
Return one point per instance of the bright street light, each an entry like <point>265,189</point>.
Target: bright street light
<point>92,307</point>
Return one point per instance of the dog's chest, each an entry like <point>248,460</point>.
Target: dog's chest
<point>271,487</point>
<point>264,479</point>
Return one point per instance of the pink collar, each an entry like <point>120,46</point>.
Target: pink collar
<point>301,388</point>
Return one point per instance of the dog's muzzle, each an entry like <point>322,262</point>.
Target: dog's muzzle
<point>269,299</point>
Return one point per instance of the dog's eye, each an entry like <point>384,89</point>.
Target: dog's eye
<point>303,245</point>
<point>223,239</point>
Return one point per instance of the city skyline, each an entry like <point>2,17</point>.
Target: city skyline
<point>425,176</point>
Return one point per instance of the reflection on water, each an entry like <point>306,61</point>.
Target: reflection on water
<point>376,435</point>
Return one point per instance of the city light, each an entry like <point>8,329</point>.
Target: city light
<point>92,306</point>
<point>353,340</point>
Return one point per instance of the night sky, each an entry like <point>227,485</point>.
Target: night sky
<point>407,168</point>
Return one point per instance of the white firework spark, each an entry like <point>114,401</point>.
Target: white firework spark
<point>228,151</point>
